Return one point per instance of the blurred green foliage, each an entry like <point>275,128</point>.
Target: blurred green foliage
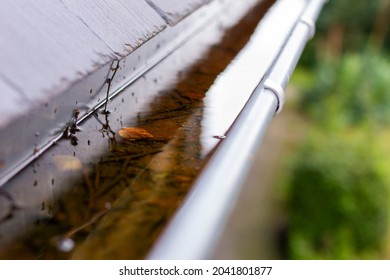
<point>338,199</point>
<point>349,26</point>
<point>354,18</point>
<point>352,90</point>
<point>339,182</point>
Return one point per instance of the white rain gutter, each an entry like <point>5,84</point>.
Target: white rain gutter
<point>194,230</point>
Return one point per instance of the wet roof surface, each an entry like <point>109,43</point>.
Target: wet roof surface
<point>47,46</point>
<point>56,56</point>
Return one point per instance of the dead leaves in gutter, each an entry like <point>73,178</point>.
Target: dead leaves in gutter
<point>134,133</point>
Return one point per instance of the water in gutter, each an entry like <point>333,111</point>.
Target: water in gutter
<point>113,204</point>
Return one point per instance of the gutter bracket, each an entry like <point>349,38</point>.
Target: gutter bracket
<point>310,24</point>
<point>276,89</point>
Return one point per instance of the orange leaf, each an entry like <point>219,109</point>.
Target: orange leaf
<point>134,133</point>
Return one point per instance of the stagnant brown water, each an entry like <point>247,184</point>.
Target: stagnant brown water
<point>118,203</point>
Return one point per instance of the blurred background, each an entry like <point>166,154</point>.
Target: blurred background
<point>336,188</point>
<point>320,185</point>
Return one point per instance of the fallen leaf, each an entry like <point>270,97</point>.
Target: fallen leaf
<point>134,133</point>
